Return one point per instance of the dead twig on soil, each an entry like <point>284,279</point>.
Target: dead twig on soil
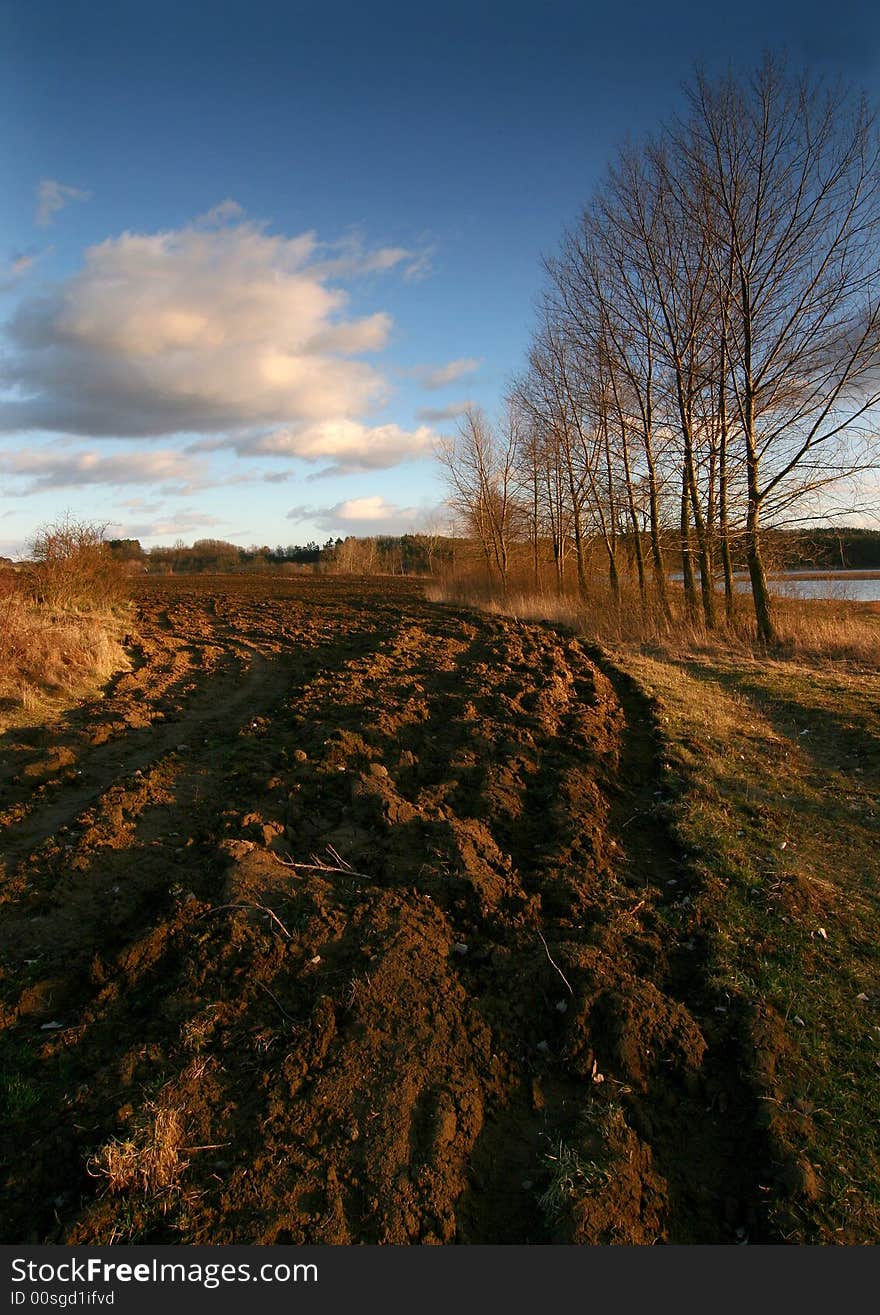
<point>272,996</point>
<point>556,965</point>
<point>339,866</point>
<point>219,908</point>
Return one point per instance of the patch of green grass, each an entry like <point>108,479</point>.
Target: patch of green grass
<point>19,1086</point>
<point>18,1095</point>
<point>571,1178</point>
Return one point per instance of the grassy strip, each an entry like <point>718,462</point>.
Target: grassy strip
<point>777,769</point>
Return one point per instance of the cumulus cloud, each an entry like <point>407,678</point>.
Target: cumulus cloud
<point>57,467</point>
<point>368,515</point>
<point>53,196</point>
<point>217,329</point>
<point>348,445</point>
<point>438,376</point>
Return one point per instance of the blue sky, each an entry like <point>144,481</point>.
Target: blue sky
<point>253,256</point>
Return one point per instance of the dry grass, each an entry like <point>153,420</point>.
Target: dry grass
<point>47,653</point>
<point>837,631</point>
<point>814,630</point>
<point>594,614</point>
<point>150,1161</point>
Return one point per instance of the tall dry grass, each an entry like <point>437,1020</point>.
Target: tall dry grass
<point>48,653</point>
<point>814,629</point>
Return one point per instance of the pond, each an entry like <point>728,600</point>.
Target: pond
<point>848,586</point>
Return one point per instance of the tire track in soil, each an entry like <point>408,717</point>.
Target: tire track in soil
<point>249,688</point>
<point>391,1057</point>
<point>709,1141</point>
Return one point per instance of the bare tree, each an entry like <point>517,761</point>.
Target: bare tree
<point>709,336</point>
<point>480,466</point>
<point>607,304</point>
<point>790,178</point>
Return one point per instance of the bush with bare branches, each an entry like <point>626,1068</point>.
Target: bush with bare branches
<point>74,569</point>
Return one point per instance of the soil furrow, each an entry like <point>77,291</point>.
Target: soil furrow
<point>708,1139</point>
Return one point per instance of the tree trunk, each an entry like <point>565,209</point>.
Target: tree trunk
<point>723,526</point>
<point>656,541</point>
<point>687,567</point>
<point>757,571</point>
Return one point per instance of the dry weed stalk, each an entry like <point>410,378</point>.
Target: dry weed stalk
<point>261,908</point>
<point>339,866</point>
<point>555,964</point>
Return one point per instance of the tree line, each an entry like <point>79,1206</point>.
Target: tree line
<point>705,364</point>
<point>407,554</point>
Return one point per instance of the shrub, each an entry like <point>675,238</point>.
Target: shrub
<point>75,569</point>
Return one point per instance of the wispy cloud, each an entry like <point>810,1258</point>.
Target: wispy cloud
<point>438,376</point>
<point>53,196</point>
<point>57,467</point>
<point>419,267</point>
<point>16,268</point>
<point>176,526</point>
<point>222,213</point>
<point>438,415</point>
<point>350,257</point>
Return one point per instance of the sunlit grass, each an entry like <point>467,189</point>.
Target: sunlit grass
<point>778,807</point>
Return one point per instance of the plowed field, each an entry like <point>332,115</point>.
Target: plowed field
<point>345,917</point>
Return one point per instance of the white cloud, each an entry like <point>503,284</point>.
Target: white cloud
<point>438,376</point>
<point>368,515</point>
<point>375,508</point>
<point>226,331</point>
<point>53,196</point>
<point>348,445</point>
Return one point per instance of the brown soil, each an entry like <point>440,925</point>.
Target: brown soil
<point>343,917</point>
